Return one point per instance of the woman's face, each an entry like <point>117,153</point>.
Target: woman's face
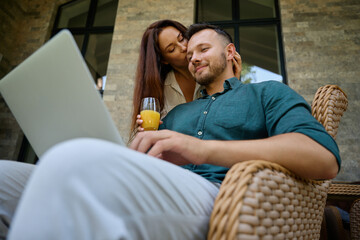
<point>173,47</point>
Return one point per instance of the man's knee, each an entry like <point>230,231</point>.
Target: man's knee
<point>79,157</point>
<point>74,152</point>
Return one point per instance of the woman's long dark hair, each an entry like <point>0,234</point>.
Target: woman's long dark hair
<point>151,72</point>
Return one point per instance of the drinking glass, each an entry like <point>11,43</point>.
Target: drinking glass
<point>150,113</point>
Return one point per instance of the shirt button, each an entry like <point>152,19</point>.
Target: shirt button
<point>213,98</point>
<point>199,133</point>
<point>205,112</point>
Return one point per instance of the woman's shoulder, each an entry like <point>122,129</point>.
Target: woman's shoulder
<point>170,78</point>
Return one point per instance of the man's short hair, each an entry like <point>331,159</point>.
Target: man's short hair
<point>197,27</point>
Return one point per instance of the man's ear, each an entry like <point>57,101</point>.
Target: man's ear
<point>230,51</point>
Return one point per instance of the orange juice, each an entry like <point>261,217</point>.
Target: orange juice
<point>150,119</point>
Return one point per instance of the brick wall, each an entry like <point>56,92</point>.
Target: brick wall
<point>24,26</point>
<point>322,46</point>
<point>132,19</point>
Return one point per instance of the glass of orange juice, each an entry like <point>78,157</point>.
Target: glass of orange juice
<point>150,113</point>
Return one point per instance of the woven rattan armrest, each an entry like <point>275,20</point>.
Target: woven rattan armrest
<point>347,189</point>
<point>262,200</point>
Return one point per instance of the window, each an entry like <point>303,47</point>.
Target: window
<point>256,31</point>
<point>92,24</point>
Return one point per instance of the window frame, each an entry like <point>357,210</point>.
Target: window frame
<point>88,29</point>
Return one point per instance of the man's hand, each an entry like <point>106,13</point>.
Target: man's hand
<point>171,146</point>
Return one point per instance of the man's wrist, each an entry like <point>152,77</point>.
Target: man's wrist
<point>211,151</point>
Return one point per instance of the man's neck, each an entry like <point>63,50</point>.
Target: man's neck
<point>218,84</point>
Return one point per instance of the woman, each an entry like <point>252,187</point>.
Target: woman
<point>162,70</point>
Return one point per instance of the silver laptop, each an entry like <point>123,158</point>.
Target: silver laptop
<point>53,97</point>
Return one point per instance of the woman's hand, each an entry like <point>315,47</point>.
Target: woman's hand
<point>237,65</point>
<point>139,121</point>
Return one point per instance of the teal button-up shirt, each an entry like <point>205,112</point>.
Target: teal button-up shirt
<point>244,112</point>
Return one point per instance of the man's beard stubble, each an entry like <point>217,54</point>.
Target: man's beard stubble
<point>215,70</point>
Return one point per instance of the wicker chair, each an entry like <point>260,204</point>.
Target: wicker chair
<point>262,200</point>
<point>354,220</point>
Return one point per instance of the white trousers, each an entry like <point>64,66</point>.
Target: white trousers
<point>13,178</point>
<point>93,189</point>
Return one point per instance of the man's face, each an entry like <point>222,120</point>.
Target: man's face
<point>206,56</point>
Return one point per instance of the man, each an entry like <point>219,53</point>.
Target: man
<point>78,192</point>
<point>228,104</point>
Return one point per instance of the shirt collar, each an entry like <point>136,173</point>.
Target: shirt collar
<point>228,84</point>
